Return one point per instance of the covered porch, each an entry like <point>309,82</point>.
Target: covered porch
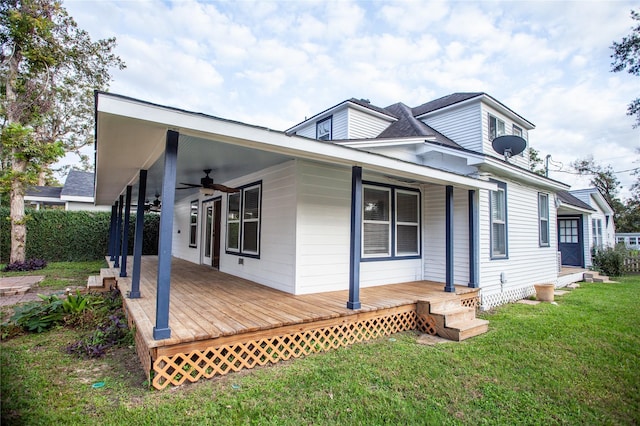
<point>222,323</point>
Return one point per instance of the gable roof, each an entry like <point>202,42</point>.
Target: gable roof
<point>409,126</point>
<point>43,192</point>
<point>78,184</point>
<point>567,198</point>
<point>444,101</point>
<point>594,194</point>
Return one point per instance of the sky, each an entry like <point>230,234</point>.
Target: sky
<point>274,63</point>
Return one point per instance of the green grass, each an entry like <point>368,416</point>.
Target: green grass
<point>60,275</point>
<point>577,362</point>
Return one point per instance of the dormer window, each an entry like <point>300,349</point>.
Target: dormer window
<point>324,129</point>
<point>517,131</point>
<point>496,127</point>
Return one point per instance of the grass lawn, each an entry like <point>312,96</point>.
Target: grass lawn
<point>577,362</point>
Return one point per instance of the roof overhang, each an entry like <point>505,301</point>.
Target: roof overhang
<point>503,168</point>
<point>564,208</point>
<point>131,135</point>
<point>76,198</point>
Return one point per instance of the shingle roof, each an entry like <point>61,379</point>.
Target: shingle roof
<point>571,200</point>
<point>444,101</point>
<point>407,126</point>
<point>78,184</point>
<point>44,191</point>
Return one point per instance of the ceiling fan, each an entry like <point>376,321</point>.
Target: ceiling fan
<point>207,183</point>
<point>153,206</point>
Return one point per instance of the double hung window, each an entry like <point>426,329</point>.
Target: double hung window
<point>499,222</point>
<point>391,222</point>
<point>243,221</point>
<point>596,228</point>
<point>324,129</point>
<point>193,224</point>
<point>543,219</point>
<point>496,127</point>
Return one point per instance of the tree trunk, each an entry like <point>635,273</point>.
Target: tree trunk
<point>18,222</point>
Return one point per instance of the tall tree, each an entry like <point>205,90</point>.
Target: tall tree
<point>535,162</point>
<point>626,56</point>
<point>49,69</point>
<point>603,178</point>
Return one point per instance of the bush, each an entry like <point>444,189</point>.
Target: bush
<point>28,265</point>
<point>72,236</point>
<point>609,261</point>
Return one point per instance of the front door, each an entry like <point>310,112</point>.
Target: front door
<point>211,232</point>
<point>570,241</point>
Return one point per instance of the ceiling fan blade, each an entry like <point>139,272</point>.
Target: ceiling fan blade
<point>192,185</point>
<point>223,188</point>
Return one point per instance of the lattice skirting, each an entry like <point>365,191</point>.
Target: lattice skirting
<point>472,301</point>
<point>510,295</point>
<point>220,360</point>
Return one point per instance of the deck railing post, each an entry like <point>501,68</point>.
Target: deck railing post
<point>112,231</point>
<point>125,233</point>
<point>356,238</point>
<point>116,263</point>
<point>161,329</point>
<point>137,242</point>
<point>473,240</point>
<point>449,287</point>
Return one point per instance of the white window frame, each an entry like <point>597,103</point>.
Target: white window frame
<point>324,129</point>
<point>194,213</point>
<point>387,222</point>
<point>543,220</point>
<point>242,220</point>
<point>596,230</point>
<point>415,224</point>
<point>497,127</point>
<point>502,188</point>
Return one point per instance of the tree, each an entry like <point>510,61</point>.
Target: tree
<point>535,162</point>
<point>49,69</point>
<point>626,56</point>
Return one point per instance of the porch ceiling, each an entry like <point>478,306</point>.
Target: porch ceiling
<point>131,136</point>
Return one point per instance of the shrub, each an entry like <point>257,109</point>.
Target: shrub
<point>27,265</point>
<point>113,332</point>
<point>609,261</point>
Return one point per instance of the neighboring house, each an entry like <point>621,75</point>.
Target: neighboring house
<point>76,194</point>
<point>438,203</point>
<point>631,240</point>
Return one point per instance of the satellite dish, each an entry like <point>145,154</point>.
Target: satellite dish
<point>509,145</point>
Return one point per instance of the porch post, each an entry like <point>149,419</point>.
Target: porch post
<point>125,233</point>
<point>356,238</point>
<point>116,263</point>
<point>112,231</point>
<point>449,287</point>
<point>473,240</point>
<point>137,242</point>
<point>161,329</point>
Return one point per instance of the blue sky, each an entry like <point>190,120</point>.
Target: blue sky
<point>273,63</point>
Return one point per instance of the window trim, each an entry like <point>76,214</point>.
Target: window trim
<point>241,221</point>
<point>194,234</point>
<point>393,254</point>
<point>498,120</point>
<point>542,219</point>
<point>502,186</point>
<point>330,134</point>
<point>596,225</point>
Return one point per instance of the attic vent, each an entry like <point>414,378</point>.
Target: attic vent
<point>367,101</point>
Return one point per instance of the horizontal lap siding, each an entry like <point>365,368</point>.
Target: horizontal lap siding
<point>463,125</point>
<point>276,266</point>
<point>521,160</point>
<point>528,263</point>
<point>181,228</point>
<point>323,227</point>
<point>364,126</point>
<point>434,242</point>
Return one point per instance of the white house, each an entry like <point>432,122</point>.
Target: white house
<point>75,194</point>
<point>433,199</point>
<point>631,240</point>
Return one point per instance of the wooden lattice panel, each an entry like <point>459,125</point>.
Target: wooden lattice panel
<point>426,324</point>
<point>198,364</point>
<point>470,302</point>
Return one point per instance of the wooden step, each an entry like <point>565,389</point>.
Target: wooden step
<point>455,315</point>
<point>109,277</point>
<point>94,282</point>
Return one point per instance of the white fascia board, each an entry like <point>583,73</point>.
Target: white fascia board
<point>509,170</point>
<point>472,158</point>
<point>41,199</point>
<point>601,202</point>
<point>449,107</point>
<point>264,139</point>
<point>372,112</point>
<point>76,198</point>
<point>573,208</point>
<point>375,143</point>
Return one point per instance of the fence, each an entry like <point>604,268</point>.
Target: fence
<point>632,262</point>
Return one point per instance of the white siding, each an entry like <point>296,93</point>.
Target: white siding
<point>521,160</point>
<point>181,213</point>
<point>339,123</point>
<point>434,242</point>
<point>308,131</point>
<point>364,126</point>
<point>463,125</point>
<point>528,263</point>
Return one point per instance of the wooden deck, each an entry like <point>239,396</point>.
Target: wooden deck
<point>209,308</point>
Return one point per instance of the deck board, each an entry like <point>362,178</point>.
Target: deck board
<point>206,304</point>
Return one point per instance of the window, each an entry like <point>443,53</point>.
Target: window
<point>632,241</point>
<point>390,222</point>
<point>243,221</point>
<point>499,222</point>
<point>569,231</point>
<point>193,224</point>
<point>596,229</point>
<point>517,131</point>
<point>496,127</point>
<point>543,219</point>
<point>324,129</point>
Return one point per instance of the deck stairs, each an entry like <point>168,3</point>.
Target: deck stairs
<point>107,280</point>
<point>595,277</point>
<point>452,320</point>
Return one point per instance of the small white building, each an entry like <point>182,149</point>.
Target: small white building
<point>631,240</point>
<point>75,194</point>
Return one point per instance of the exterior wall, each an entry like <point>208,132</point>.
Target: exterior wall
<point>608,227</point>
<point>434,242</point>
<point>527,263</point>
<point>364,126</point>
<point>74,205</point>
<point>339,124</point>
<point>462,125</point>
<point>521,160</point>
<point>631,240</point>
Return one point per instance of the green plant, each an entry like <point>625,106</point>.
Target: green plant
<point>75,304</point>
<point>609,260</point>
<point>39,316</point>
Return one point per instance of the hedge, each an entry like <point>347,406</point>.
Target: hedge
<point>60,236</point>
